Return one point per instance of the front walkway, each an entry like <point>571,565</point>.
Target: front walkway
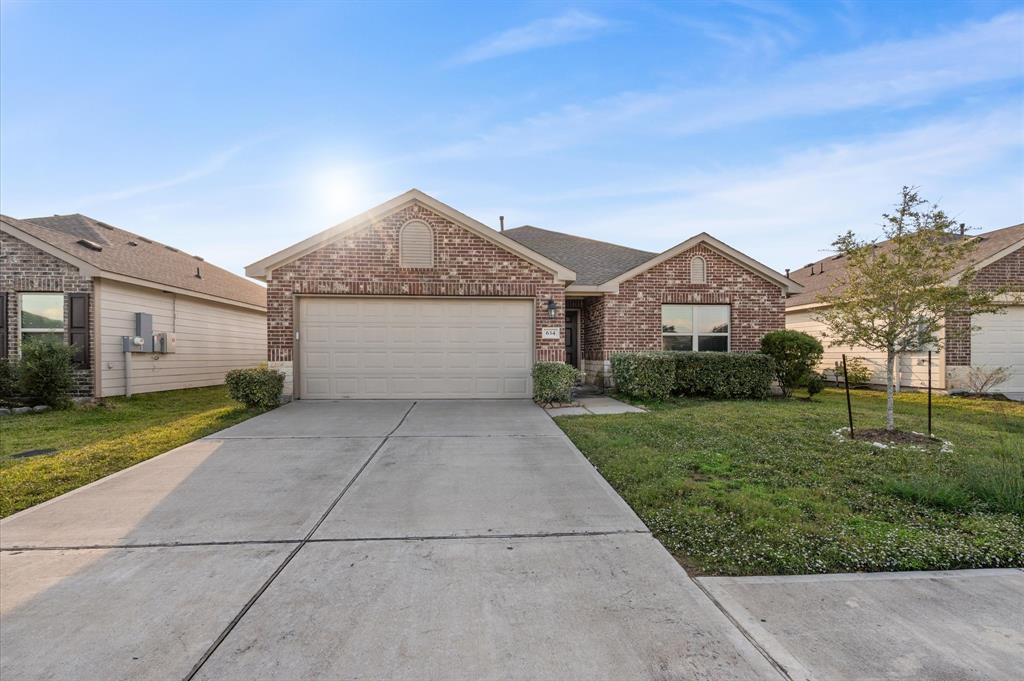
<point>359,539</point>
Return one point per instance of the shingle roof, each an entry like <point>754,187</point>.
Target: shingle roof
<point>832,268</point>
<point>594,262</point>
<point>128,254</point>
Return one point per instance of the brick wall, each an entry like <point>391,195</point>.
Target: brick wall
<point>632,318</point>
<point>26,269</point>
<point>1008,271</point>
<point>366,263</point>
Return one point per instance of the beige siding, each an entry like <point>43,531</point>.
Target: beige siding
<point>912,367</point>
<point>212,339</point>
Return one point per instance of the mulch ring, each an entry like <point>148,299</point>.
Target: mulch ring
<point>894,437</point>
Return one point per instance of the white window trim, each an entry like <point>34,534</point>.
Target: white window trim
<point>695,334</point>
<point>21,307</point>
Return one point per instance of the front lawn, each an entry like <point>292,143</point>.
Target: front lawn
<point>765,487</point>
<point>96,440</point>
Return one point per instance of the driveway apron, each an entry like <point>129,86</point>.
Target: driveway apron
<point>449,539</point>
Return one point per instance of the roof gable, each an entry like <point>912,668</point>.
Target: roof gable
<point>819,276</point>
<point>262,269</point>
<point>100,249</point>
<point>720,247</point>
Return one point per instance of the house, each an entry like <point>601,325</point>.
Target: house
<point>415,299</point>
<point>997,340</point>
<point>82,281</point>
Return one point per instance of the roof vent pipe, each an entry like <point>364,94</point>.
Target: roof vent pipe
<point>812,269</point>
<point>501,221</point>
<point>199,275</point>
<point>787,273</point>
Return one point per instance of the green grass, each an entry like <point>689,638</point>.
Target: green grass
<point>764,487</point>
<point>96,440</point>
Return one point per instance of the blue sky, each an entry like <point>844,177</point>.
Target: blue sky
<point>233,130</point>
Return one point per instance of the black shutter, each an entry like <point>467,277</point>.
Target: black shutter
<point>3,324</point>
<point>78,327</point>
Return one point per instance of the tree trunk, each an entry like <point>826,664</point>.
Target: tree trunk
<point>890,363</point>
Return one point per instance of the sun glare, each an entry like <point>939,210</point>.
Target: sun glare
<point>338,191</point>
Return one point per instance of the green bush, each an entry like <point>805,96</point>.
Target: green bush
<point>723,375</point>
<point>553,382</point>
<point>44,372</point>
<point>814,384</point>
<point>260,388</point>
<point>8,381</point>
<point>795,353</point>
<point>647,375</point>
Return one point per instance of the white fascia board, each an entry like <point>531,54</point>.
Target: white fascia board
<point>955,279</point>
<point>724,249</point>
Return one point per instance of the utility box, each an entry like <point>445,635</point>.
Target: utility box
<point>142,341</point>
<point>165,342</point>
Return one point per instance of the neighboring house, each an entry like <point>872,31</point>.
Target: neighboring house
<point>81,281</point>
<point>414,299</point>
<point>997,340</point>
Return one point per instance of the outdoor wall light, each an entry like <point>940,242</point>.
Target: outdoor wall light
<point>552,308</point>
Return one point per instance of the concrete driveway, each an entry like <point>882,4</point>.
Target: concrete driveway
<point>358,540</point>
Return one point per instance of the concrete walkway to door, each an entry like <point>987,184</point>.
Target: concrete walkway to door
<point>358,539</point>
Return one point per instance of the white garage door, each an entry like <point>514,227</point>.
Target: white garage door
<point>1000,343</point>
<point>414,348</point>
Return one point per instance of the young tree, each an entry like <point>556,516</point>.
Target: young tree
<point>895,295</point>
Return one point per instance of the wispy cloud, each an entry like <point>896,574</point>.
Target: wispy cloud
<point>891,74</point>
<point>751,29</point>
<point>787,209</point>
<point>572,26</point>
<point>208,167</point>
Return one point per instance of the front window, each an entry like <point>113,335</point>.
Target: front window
<point>42,317</point>
<point>695,327</point>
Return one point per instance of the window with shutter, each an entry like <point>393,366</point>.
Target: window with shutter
<point>416,245</point>
<point>3,324</point>
<point>78,327</point>
<point>698,267</point>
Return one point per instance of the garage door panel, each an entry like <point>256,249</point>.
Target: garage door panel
<point>402,348</point>
<point>317,360</point>
<point>516,385</point>
<point>999,342</point>
<point>317,387</point>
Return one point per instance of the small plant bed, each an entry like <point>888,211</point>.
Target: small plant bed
<point>894,437</point>
<point>88,442</point>
<point>772,486</point>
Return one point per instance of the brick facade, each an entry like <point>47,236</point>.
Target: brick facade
<point>26,269</point>
<point>631,319</point>
<point>366,263</point>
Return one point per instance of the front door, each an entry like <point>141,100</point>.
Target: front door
<point>572,350</point>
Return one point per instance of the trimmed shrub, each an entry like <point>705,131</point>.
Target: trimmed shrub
<point>724,375</point>
<point>553,382</point>
<point>44,372</point>
<point>795,353</point>
<point>8,381</point>
<point>647,375</point>
<point>255,388</point>
<point>814,384</point>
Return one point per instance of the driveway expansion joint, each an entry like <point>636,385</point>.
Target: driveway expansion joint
<point>288,559</point>
<point>327,540</point>
<point>743,630</point>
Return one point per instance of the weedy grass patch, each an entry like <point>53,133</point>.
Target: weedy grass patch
<point>763,486</point>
